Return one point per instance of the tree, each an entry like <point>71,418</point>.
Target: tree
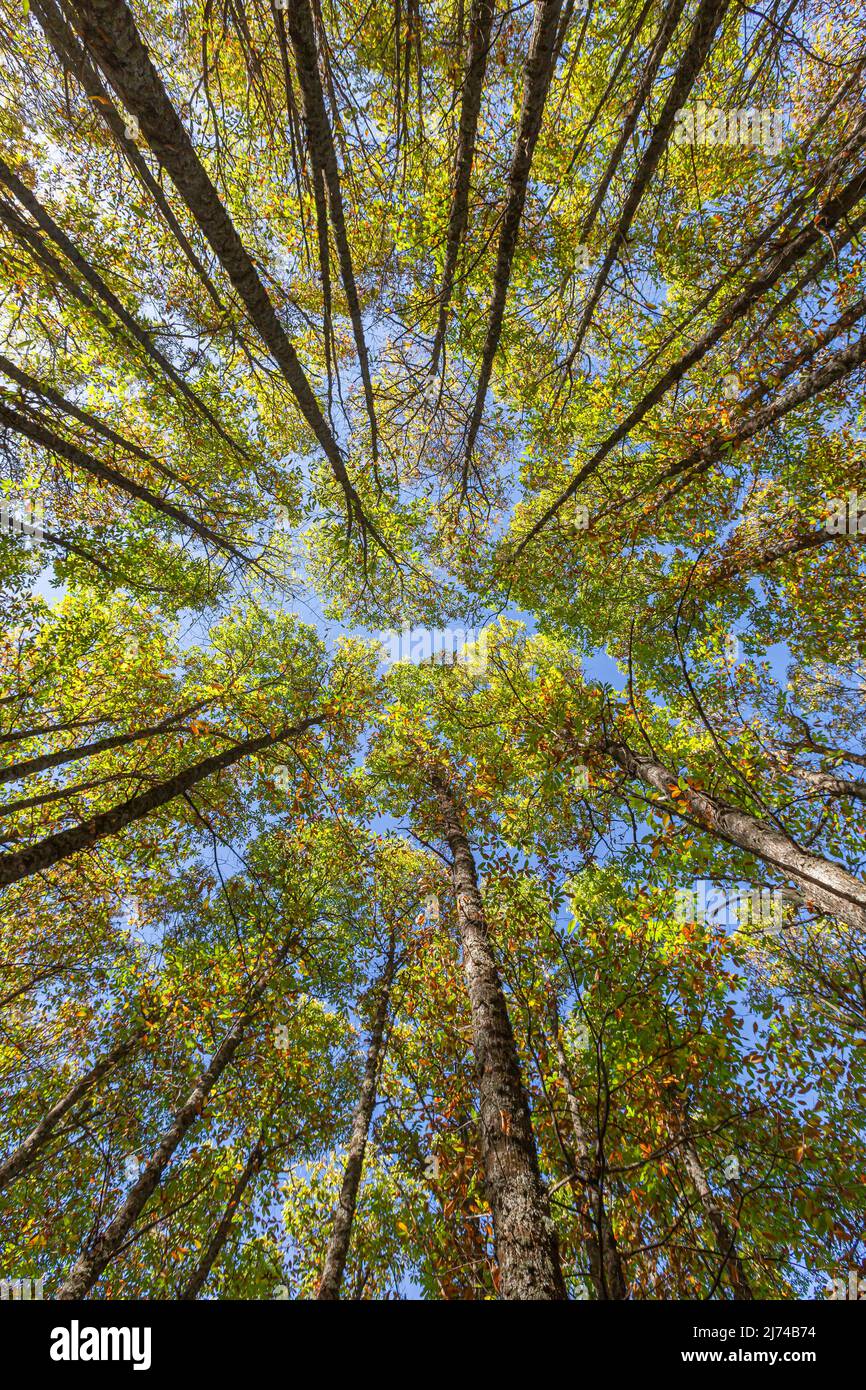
<point>431,518</point>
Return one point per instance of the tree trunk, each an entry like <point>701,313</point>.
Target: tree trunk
<point>480,27</point>
<point>321,144</point>
<point>28,1150</point>
<point>709,16</point>
<point>526,1244</point>
<point>35,429</point>
<point>53,848</point>
<point>835,210</point>
<point>109,32</point>
<point>341,1232</point>
<point>831,888</point>
<point>663,40</point>
<point>93,1260</point>
<point>42,761</point>
<point>605,1264</point>
<point>540,63</point>
<point>74,60</point>
<point>198,1278</point>
<point>91,276</point>
<point>723,1236</point>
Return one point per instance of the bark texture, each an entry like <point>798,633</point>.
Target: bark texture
<point>321,145</point>
<point>29,1149</point>
<point>65,843</point>
<point>831,888</point>
<point>341,1231</point>
<point>526,1244</point>
<point>75,61</point>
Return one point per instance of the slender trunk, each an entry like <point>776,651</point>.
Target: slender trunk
<point>42,761</point>
<point>48,393</point>
<point>198,1278</point>
<point>811,384</point>
<point>341,1231</point>
<point>109,32</point>
<point>28,1150</point>
<point>833,211</point>
<point>540,63</point>
<point>74,60</point>
<point>831,888</point>
<point>33,428</point>
<point>526,1244</point>
<point>722,1234</point>
<point>321,143</point>
<point>94,1259</point>
<point>709,16</point>
<point>605,1263</point>
<point>28,803</point>
<point>480,27</point>
<point>662,42</point>
<point>65,843</point>
<point>46,223</point>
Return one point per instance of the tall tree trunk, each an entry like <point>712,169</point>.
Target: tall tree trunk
<point>710,15</point>
<point>198,1278</point>
<point>91,276</point>
<point>36,429</point>
<point>341,1231</point>
<point>94,1259</point>
<point>540,63</point>
<point>605,1264</point>
<point>29,1149</point>
<point>663,40</point>
<point>53,848</point>
<point>526,1244</point>
<point>74,60</point>
<point>834,211</point>
<point>321,145</point>
<point>723,1236</point>
<point>42,761</point>
<point>109,32</point>
<point>813,383</point>
<point>831,888</point>
<point>480,27</point>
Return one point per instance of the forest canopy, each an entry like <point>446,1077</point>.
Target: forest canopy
<point>432,664</point>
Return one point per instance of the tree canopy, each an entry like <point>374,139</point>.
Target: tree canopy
<point>433,667</point>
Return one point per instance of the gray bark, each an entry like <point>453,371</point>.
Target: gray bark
<point>65,843</point>
<point>828,886</point>
<point>29,1149</point>
<point>341,1231</point>
<point>526,1243</point>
